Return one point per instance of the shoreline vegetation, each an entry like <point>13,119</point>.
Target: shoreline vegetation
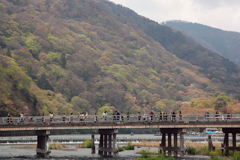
<point>193,148</point>
<point>128,147</point>
<point>86,144</point>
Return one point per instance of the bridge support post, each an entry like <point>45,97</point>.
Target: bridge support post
<point>42,146</point>
<point>182,144</point>
<point>163,143</point>
<point>174,148</point>
<point>100,145</point>
<point>93,145</point>
<point>234,147</point>
<point>108,143</point>
<point>175,145</point>
<point>169,143</point>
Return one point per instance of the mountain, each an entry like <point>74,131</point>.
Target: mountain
<point>225,43</point>
<point>76,56</point>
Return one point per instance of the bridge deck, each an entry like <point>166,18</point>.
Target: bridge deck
<point>117,122</point>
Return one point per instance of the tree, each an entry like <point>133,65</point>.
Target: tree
<point>159,106</point>
<point>103,109</point>
<point>80,104</point>
<point>222,101</point>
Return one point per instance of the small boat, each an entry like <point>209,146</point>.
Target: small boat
<point>132,134</point>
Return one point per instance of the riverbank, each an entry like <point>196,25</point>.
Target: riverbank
<point>70,148</point>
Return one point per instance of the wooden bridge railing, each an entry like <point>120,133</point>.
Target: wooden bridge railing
<point>184,118</point>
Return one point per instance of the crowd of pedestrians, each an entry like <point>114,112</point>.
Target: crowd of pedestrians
<point>119,116</point>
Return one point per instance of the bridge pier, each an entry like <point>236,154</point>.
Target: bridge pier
<point>42,140</point>
<point>108,143</point>
<point>174,148</point>
<point>234,147</point>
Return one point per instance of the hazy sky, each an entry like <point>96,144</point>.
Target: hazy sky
<point>222,14</point>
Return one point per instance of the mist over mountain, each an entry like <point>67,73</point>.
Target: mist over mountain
<point>76,56</point>
<point>225,43</point>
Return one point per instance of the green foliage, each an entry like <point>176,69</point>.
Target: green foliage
<point>236,155</point>
<point>214,156</point>
<point>128,147</point>
<point>222,101</point>
<point>32,45</point>
<point>103,109</point>
<point>80,104</point>
<point>121,72</point>
<point>169,103</point>
<point>203,151</point>
<point>52,39</point>
<point>159,106</point>
<point>152,71</point>
<point>57,71</point>
<point>90,59</point>
<point>191,150</point>
<point>88,143</point>
<point>145,154</point>
<point>53,57</point>
<point>145,95</point>
<point>2,7</point>
<point>177,70</point>
<point>43,83</point>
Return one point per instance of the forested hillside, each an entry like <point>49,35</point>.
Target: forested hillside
<point>225,43</point>
<point>80,56</point>
<point>212,64</point>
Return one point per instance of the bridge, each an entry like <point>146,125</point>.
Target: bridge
<point>108,128</point>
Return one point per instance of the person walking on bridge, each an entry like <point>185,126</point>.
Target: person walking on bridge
<point>122,116</point>
<point>43,118</point>
<point>8,119</point>
<point>80,116</point>
<point>105,115</point>
<point>217,115</point>
<point>21,117</point>
<point>180,115</point>
<point>96,120</point>
<point>151,115</point>
<point>71,118</point>
<point>128,116</point>
<point>51,116</point>
<point>64,117</point>
<point>86,116</point>
<point>173,117</point>
<point>160,116</point>
<point>207,115</point>
<point>139,116</point>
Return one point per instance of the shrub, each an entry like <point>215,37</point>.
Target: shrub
<point>236,155</point>
<point>145,154</point>
<point>214,156</point>
<point>203,151</point>
<point>120,149</point>
<point>88,143</point>
<point>191,150</point>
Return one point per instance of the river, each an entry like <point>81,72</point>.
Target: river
<point>10,151</point>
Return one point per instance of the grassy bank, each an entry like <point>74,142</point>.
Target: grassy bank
<point>56,146</point>
<point>128,147</point>
<point>215,155</point>
<point>86,144</point>
<point>194,148</point>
